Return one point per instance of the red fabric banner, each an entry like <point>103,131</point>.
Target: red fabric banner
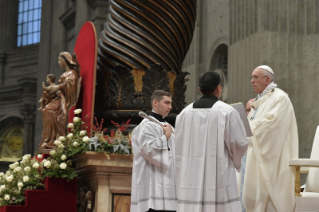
<point>86,50</point>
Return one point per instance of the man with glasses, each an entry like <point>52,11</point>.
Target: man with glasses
<point>269,181</point>
<point>210,142</point>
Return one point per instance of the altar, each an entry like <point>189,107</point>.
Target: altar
<point>109,177</point>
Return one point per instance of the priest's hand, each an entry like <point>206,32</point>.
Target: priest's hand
<point>167,130</point>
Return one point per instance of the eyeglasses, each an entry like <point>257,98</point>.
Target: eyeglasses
<point>256,77</point>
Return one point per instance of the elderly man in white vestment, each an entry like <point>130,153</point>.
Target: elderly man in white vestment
<point>269,181</point>
<point>210,142</point>
<point>153,177</point>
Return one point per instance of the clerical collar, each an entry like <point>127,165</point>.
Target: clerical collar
<point>158,116</point>
<point>210,96</point>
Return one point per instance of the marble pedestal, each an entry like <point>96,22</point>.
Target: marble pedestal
<point>109,177</point>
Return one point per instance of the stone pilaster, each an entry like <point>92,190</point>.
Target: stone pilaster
<point>27,112</point>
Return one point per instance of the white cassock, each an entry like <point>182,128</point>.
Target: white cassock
<point>153,176</point>
<point>269,181</point>
<point>210,143</point>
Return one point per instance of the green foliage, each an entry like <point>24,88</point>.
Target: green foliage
<point>28,173</point>
<point>21,176</point>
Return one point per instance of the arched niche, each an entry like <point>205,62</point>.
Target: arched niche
<point>11,139</point>
<point>219,63</point>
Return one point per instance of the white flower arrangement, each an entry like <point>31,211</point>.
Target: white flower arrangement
<point>76,119</point>
<point>21,176</point>
<point>47,164</point>
<point>26,178</point>
<point>57,142</point>
<point>77,111</point>
<point>85,139</point>
<point>63,165</point>
<point>52,152</point>
<point>36,165</point>
<point>61,138</point>
<point>27,169</point>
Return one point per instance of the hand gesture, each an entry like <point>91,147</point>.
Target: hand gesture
<point>167,130</point>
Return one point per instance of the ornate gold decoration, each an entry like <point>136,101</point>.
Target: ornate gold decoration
<point>172,77</point>
<point>11,143</point>
<point>138,79</point>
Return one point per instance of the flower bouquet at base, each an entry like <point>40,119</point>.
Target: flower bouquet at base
<point>21,176</point>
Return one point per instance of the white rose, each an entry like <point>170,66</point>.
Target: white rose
<point>61,146</point>
<point>63,165</point>
<point>10,178</point>
<point>70,135</point>
<point>1,174</point>
<point>82,132</point>
<point>7,197</point>
<point>85,139</point>
<point>77,111</point>
<point>71,125</point>
<point>26,157</point>
<point>52,152</point>
<point>63,157</point>
<point>12,166</point>
<point>17,169</point>
<point>36,165</point>
<point>47,164</point>
<point>25,178</point>
<point>27,169</point>
<point>57,142</point>
<point>75,144</point>
<point>20,184</point>
<point>3,187</point>
<point>39,156</point>
<point>76,119</point>
<point>44,160</point>
<point>62,138</point>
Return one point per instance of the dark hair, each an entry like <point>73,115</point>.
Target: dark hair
<point>51,77</point>
<point>158,95</point>
<point>208,82</point>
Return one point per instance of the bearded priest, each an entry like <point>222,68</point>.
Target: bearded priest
<point>210,142</point>
<point>269,181</point>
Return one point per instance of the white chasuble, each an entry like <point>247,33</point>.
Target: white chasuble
<point>153,175</point>
<point>210,143</point>
<point>269,181</point>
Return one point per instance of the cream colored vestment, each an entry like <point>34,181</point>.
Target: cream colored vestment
<point>269,181</point>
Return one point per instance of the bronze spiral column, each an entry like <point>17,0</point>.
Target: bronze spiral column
<point>141,49</point>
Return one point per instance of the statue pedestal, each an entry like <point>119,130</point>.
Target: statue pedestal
<point>109,177</point>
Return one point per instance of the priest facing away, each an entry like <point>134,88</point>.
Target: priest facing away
<point>210,142</point>
<point>269,181</point>
<point>153,176</point>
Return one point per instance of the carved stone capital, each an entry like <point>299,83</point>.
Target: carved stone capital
<point>27,111</point>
